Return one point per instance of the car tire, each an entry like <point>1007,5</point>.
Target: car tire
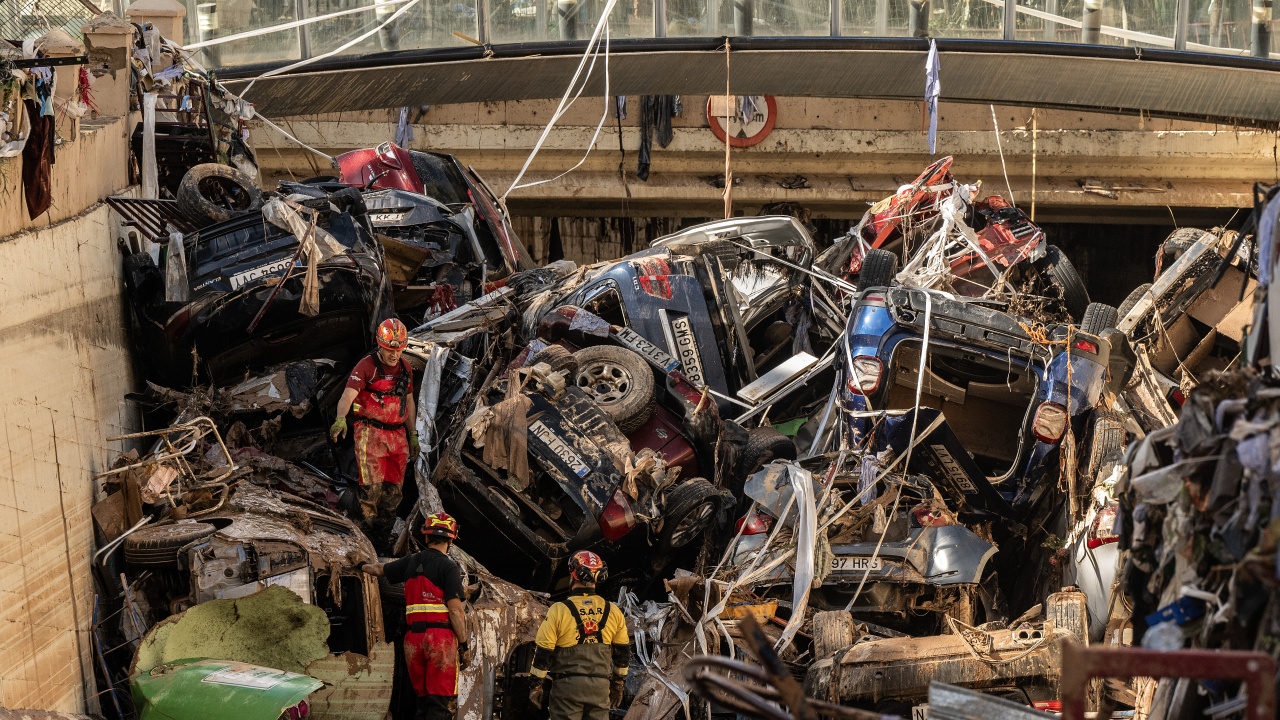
<point>1106,443</point>
<point>619,381</point>
<point>1179,242</point>
<point>687,512</point>
<point>1059,268</point>
<point>833,631</point>
<point>765,444</point>
<point>879,268</point>
<point>1098,317</point>
<point>1134,298</point>
<point>559,358</point>
<point>158,546</point>
<point>216,193</point>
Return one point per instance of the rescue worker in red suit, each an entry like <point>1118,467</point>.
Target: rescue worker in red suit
<point>582,648</point>
<point>436,640</point>
<point>380,393</point>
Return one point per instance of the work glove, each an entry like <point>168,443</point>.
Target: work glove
<point>464,656</point>
<point>338,429</point>
<point>615,691</point>
<point>414,446</point>
<point>537,693</point>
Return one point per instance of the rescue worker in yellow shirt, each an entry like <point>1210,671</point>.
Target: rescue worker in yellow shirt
<point>583,649</point>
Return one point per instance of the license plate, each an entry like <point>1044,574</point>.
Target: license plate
<point>386,218</point>
<point>920,712</point>
<point>856,564</point>
<point>687,349</point>
<point>648,350</point>
<point>239,280</point>
<point>559,447</point>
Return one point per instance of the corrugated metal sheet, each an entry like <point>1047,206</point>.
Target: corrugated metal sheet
<point>154,219</point>
<point>1128,81</point>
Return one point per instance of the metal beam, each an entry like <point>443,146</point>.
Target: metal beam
<point>1035,74</point>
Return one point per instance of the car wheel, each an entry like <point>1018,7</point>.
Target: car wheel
<point>157,547</point>
<point>1098,317</point>
<point>765,444</point>
<point>217,193</point>
<point>1132,301</point>
<point>1179,242</point>
<point>619,381</point>
<point>1106,446</point>
<point>1064,275</point>
<point>560,359</point>
<point>832,632</point>
<point>689,509</point>
<point>879,268</point>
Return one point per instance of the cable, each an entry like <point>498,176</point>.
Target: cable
<point>331,53</point>
<point>565,103</point>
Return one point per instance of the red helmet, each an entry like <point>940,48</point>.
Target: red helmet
<point>392,334</point>
<point>587,567</point>
<point>440,524</point>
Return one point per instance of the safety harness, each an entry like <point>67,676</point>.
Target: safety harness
<point>583,636</point>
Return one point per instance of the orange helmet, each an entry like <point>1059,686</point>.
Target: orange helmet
<point>441,524</point>
<point>392,334</point>
<point>587,567</point>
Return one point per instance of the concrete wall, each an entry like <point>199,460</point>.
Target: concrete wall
<point>92,164</point>
<point>64,371</point>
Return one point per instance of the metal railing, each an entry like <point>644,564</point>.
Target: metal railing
<point>1231,27</point>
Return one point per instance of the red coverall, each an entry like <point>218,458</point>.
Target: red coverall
<point>381,444</point>
<point>431,579</point>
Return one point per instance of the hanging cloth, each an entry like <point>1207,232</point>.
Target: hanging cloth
<point>37,162</point>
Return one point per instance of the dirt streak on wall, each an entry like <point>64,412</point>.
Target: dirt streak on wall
<point>64,371</point>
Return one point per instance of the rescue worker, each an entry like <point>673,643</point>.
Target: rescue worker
<point>380,394</point>
<point>583,647</point>
<point>436,640</point>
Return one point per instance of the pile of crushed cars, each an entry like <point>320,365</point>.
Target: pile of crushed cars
<point>885,478</point>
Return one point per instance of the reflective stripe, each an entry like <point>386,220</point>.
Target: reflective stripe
<point>411,609</point>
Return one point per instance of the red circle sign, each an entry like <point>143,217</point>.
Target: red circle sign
<point>749,118</point>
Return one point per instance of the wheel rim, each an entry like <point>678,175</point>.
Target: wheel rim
<point>607,383</point>
<point>691,524</point>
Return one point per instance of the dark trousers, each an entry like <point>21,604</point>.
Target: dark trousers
<point>437,707</point>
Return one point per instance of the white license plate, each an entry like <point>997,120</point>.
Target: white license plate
<point>687,349</point>
<point>559,447</point>
<point>857,564</point>
<point>648,350</point>
<point>239,280</point>
<point>920,712</point>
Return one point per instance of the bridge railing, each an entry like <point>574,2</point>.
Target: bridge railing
<point>1235,27</point>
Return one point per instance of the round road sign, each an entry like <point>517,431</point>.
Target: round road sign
<point>728,112</point>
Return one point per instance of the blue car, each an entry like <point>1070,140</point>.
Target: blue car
<point>997,394</point>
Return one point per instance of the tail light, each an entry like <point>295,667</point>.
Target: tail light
<point>756,524</point>
<point>1086,345</point>
<point>1103,530</point>
<point>297,712</point>
<point>1176,397</point>
<point>1053,706</point>
<point>865,378</point>
<point>1050,422</point>
<point>617,518</point>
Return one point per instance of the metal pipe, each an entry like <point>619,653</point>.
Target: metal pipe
<point>918,18</point>
<point>567,18</point>
<point>1010,18</point>
<point>837,18</point>
<point>744,15</point>
<point>1182,16</point>
<point>1050,27</point>
<point>1091,22</point>
<point>713,18</point>
<point>1260,36</point>
<point>659,18</point>
<point>304,32</point>
<point>482,21</point>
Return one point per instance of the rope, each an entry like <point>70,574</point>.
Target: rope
<point>999,147</point>
<point>728,171</point>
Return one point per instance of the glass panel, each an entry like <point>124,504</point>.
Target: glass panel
<point>1154,17</point>
<point>693,18</point>
<point>539,20</point>
<point>777,18</point>
<point>875,18</point>
<point>220,18</point>
<point>427,24</point>
<point>1038,27</point>
<point>1220,25</point>
<point>965,19</point>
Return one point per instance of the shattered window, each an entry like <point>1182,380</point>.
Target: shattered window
<point>348,630</point>
<point>608,305</point>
